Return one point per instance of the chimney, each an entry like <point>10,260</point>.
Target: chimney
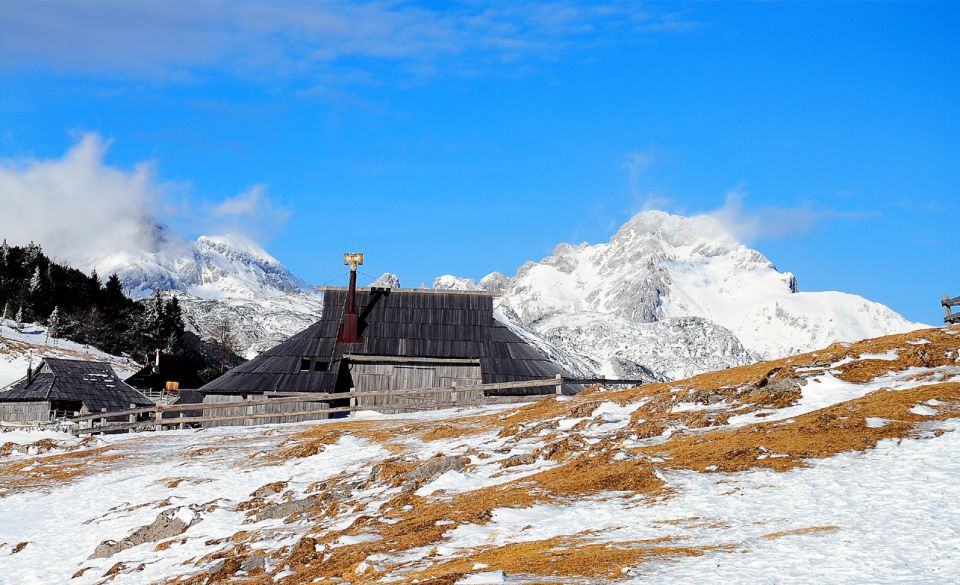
<point>350,329</point>
<point>29,375</point>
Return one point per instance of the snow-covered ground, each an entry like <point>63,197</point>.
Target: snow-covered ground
<point>31,344</point>
<point>838,466</point>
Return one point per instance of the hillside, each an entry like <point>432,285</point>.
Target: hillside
<point>843,458</point>
<point>31,344</point>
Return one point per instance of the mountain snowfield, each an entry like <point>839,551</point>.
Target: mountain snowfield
<point>219,277</point>
<point>834,466</point>
<point>674,296</point>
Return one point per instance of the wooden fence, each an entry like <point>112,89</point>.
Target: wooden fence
<point>947,303</point>
<point>161,414</point>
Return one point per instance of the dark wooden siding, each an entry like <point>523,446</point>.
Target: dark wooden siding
<point>399,323</point>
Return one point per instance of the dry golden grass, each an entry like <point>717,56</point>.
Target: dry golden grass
<point>815,435</point>
<point>800,531</point>
<point>569,558</point>
<point>39,472</point>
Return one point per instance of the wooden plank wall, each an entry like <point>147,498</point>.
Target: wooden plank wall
<point>372,376</point>
<point>258,409</point>
<point>25,412</point>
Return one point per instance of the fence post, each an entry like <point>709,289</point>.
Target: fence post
<point>454,396</point>
<point>559,378</point>
<point>158,420</point>
<point>182,425</point>
<point>103,421</point>
<point>132,418</point>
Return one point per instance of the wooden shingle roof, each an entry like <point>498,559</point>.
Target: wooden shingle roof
<point>94,384</point>
<point>393,322</point>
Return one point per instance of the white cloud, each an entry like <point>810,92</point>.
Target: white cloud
<point>306,39</point>
<point>770,222</point>
<point>81,209</point>
<point>638,165</point>
<point>251,213</point>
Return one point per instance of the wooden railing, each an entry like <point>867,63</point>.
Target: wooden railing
<point>947,303</point>
<point>106,421</point>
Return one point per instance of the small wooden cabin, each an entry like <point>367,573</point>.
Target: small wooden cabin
<point>166,377</point>
<point>62,387</point>
<point>404,339</point>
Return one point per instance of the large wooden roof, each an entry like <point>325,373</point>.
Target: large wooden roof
<point>94,384</point>
<point>407,323</point>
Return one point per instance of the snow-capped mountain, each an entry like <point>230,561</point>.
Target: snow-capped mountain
<point>674,296</point>
<point>219,277</point>
<point>667,297</point>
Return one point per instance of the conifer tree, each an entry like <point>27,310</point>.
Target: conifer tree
<point>19,319</point>
<point>35,280</point>
<point>53,324</point>
<point>151,325</point>
<point>173,324</point>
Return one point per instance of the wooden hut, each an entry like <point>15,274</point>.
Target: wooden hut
<point>61,387</point>
<point>401,339</point>
<point>164,378</point>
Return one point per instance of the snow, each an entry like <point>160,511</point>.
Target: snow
<point>826,390</point>
<point>29,346</point>
<point>451,481</point>
<point>874,422</point>
<point>879,518</point>
<point>60,542</point>
<point>889,355</point>
<point>923,410</point>
<point>28,436</point>
<point>487,577</point>
<point>884,531</point>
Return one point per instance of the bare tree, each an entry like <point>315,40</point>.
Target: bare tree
<point>223,337</point>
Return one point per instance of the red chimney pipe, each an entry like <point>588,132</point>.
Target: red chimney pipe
<point>350,330</point>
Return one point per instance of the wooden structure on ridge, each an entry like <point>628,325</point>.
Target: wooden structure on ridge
<point>950,318</point>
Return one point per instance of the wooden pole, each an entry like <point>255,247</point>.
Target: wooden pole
<point>559,384</point>
<point>131,418</point>
<point>103,421</point>
<point>158,420</point>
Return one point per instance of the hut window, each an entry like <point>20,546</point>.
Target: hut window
<point>319,366</point>
<point>305,364</point>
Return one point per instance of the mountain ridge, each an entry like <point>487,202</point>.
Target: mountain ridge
<point>666,297</point>
<point>676,295</point>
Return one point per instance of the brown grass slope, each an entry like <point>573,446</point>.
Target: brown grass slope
<point>623,464</point>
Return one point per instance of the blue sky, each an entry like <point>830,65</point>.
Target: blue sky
<point>466,138</point>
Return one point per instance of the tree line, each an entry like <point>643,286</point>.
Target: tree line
<point>79,307</point>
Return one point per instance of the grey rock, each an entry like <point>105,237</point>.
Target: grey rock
<point>431,469</point>
<point>253,562</point>
<point>167,525</point>
<point>286,509</point>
